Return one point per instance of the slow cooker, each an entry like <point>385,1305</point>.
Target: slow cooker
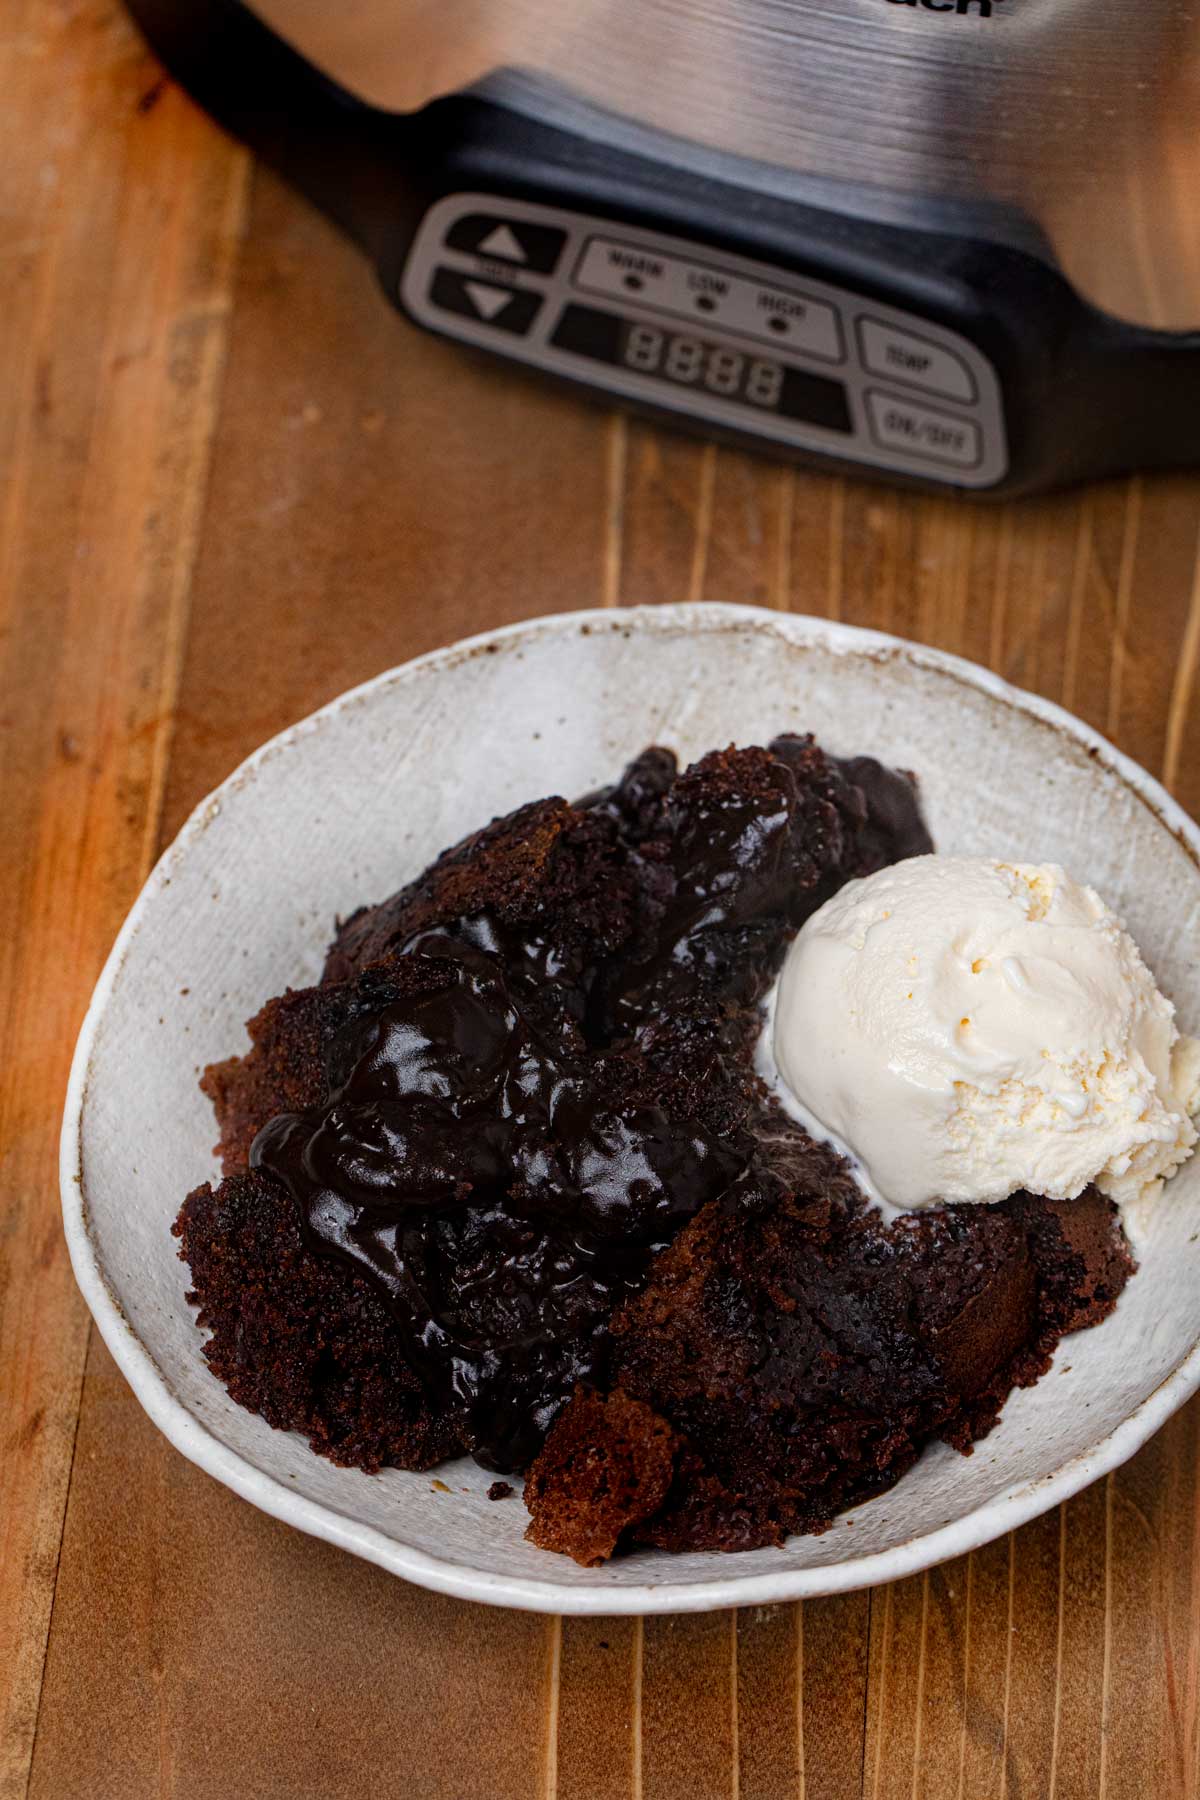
<point>949,242</point>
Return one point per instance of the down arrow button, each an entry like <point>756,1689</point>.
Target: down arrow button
<point>508,309</point>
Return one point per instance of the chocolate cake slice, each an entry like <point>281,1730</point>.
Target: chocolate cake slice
<point>298,1338</point>
<point>507,1171</point>
<point>514,1085</point>
<point>790,1355</point>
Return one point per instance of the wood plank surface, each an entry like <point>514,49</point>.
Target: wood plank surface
<point>120,213</point>
<point>234,483</point>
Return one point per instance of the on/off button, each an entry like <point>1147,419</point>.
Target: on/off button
<point>903,425</point>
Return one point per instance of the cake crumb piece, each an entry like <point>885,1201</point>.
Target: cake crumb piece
<point>499,1490</point>
<point>606,1466</point>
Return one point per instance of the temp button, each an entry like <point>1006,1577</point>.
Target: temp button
<point>902,425</point>
<point>914,360</point>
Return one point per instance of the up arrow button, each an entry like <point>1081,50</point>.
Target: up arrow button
<point>522,243</point>
<point>501,242</point>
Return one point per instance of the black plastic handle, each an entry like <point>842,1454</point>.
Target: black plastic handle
<point>1139,390</point>
<point>348,158</point>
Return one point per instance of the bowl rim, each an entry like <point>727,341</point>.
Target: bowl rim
<point>1013,1508</point>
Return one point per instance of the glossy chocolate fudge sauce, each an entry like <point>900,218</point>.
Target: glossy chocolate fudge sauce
<point>505,1147</point>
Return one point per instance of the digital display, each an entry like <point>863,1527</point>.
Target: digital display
<point>683,359</point>
<point>678,356</point>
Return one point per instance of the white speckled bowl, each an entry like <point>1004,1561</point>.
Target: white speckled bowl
<point>349,803</point>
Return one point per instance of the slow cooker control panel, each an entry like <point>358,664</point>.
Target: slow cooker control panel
<point>693,330</point>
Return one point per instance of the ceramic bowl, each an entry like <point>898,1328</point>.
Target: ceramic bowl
<point>348,804</point>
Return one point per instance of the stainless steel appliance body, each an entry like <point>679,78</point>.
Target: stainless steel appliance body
<point>1082,116</point>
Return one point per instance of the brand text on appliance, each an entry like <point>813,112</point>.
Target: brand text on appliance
<point>983,8</point>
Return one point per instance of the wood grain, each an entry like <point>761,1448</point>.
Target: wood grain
<point>235,483</point>
<point>121,219</point>
<point>241,1660</point>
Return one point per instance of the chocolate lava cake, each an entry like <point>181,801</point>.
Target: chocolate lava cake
<point>505,1182</point>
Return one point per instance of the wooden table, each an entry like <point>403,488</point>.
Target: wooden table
<point>235,483</point>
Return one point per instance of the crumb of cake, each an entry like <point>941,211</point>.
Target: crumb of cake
<point>607,1468</point>
<point>500,1490</point>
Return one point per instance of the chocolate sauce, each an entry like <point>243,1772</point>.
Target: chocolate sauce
<point>510,1132</point>
<point>892,827</point>
<point>483,1180</point>
<point>749,861</point>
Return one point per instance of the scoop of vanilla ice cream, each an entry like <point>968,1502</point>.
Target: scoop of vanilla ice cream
<point>968,1027</point>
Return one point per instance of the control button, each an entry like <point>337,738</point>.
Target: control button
<point>900,425</point>
<point>886,350</point>
<point>533,247</point>
<point>704,292</point>
<point>501,242</point>
<point>511,309</point>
